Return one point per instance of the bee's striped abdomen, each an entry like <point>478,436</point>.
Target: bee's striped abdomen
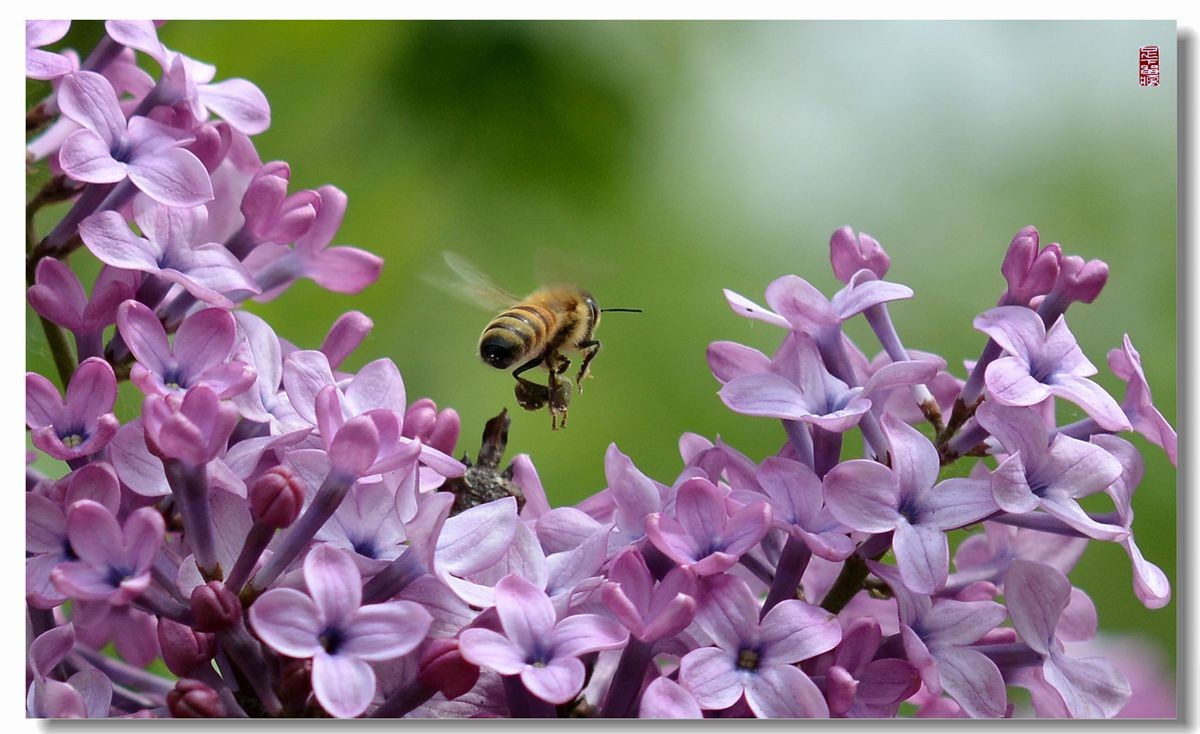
<point>516,334</point>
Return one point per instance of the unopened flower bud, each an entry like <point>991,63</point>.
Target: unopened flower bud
<point>1080,280</point>
<point>849,254</point>
<point>191,699</point>
<point>1029,273</point>
<point>215,607</point>
<point>276,498</point>
<point>420,419</point>
<point>345,335</point>
<point>444,435</point>
<point>444,668</point>
<point>183,648</point>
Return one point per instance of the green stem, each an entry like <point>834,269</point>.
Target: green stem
<point>64,358</point>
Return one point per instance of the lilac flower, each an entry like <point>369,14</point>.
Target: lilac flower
<point>798,305</point>
<point>128,629</point>
<point>937,635</point>
<point>757,659</point>
<point>85,695</point>
<point>1029,272</point>
<point>705,533</point>
<point>57,295</point>
<point>798,387</point>
<point>986,556</point>
<point>873,498</point>
<point>114,560</point>
<point>1150,584</point>
<point>199,354</point>
<point>46,527</point>
<point>666,699</point>
<point>849,253</point>
<point>328,625</point>
<point>81,425</point>
<point>170,250</point>
<point>41,64</point>
<point>1046,473</point>
<point>1036,596</point>
<point>1043,363</point>
<point>340,269</point>
<point>543,652</point>
<point>649,611</point>
<point>109,149</point>
<point>796,498</point>
<point>857,683</point>
<point>188,84</point>
<point>1138,405</point>
<point>195,431</point>
<point>271,215</point>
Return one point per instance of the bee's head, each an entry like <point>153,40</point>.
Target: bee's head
<point>499,352</point>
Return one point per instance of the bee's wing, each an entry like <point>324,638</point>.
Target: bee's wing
<point>473,285</point>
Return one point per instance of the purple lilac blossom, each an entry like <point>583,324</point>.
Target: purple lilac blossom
<point>273,524</point>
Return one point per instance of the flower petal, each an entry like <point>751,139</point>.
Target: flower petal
<point>784,691</point>
<point>174,177</point>
<point>385,631</point>
<point>288,621</point>
<point>343,684</point>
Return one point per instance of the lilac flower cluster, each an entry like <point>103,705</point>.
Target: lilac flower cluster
<point>282,534</point>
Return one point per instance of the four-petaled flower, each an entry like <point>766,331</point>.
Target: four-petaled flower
<point>341,637</point>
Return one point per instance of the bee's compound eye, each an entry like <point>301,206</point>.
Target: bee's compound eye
<point>499,353</point>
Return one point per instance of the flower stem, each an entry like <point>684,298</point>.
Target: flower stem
<point>854,572</point>
<point>394,578</point>
<point>60,350</point>
<point>522,704</point>
<point>793,561</point>
<point>256,542</point>
<point>329,497</point>
<point>189,484</point>
<point>625,689</point>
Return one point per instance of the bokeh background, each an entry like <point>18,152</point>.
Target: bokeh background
<point>657,163</point>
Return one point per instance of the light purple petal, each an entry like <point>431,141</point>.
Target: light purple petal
<point>525,611</point>
<point>305,373</point>
<point>288,621</point>
<point>492,650</point>
<point>343,684</point>
<point>109,238</point>
<point>862,495</point>
<point>174,177</point>
<point>145,336</point>
<point>94,533</point>
<point>142,537</point>
<point>239,103</point>
<point>377,385</point>
<point>745,307</point>
<point>633,492</point>
<point>1150,584</point>
<point>712,676</point>
<point>1014,328</point>
<point>57,294</point>
<point>746,528</point>
<point>957,502</point>
<point>85,156</point>
<point>784,691</point>
<point>477,538</point>
<point>972,680</point>
<point>345,269</point>
<point>557,682</point>
<point>584,633</point>
<point>1091,688</point>
<point>795,630</point>
<point>1036,595</point>
<point>953,622</point>
<point>799,302</point>
<point>666,699</point>
<point>1069,511</point>
<point>728,612</point>
<point>914,458</point>
<point>1094,399</point>
<point>385,631</point>
<point>89,99</point>
<point>923,555</point>
<point>43,404</point>
<point>1009,382</point>
<point>730,360</point>
<point>861,294</point>
<point>333,582</point>
<point>92,391</point>
<point>765,395</point>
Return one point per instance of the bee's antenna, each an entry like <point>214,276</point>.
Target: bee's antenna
<point>627,310</point>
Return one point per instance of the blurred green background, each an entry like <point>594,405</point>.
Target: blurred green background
<point>657,163</point>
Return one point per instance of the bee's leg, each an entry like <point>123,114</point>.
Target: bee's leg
<point>562,365</point>
<point>530,395</point>
<point>589,350</point>
<point>559,389</point>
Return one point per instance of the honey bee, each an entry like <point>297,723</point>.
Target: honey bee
<point>536,331</point>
